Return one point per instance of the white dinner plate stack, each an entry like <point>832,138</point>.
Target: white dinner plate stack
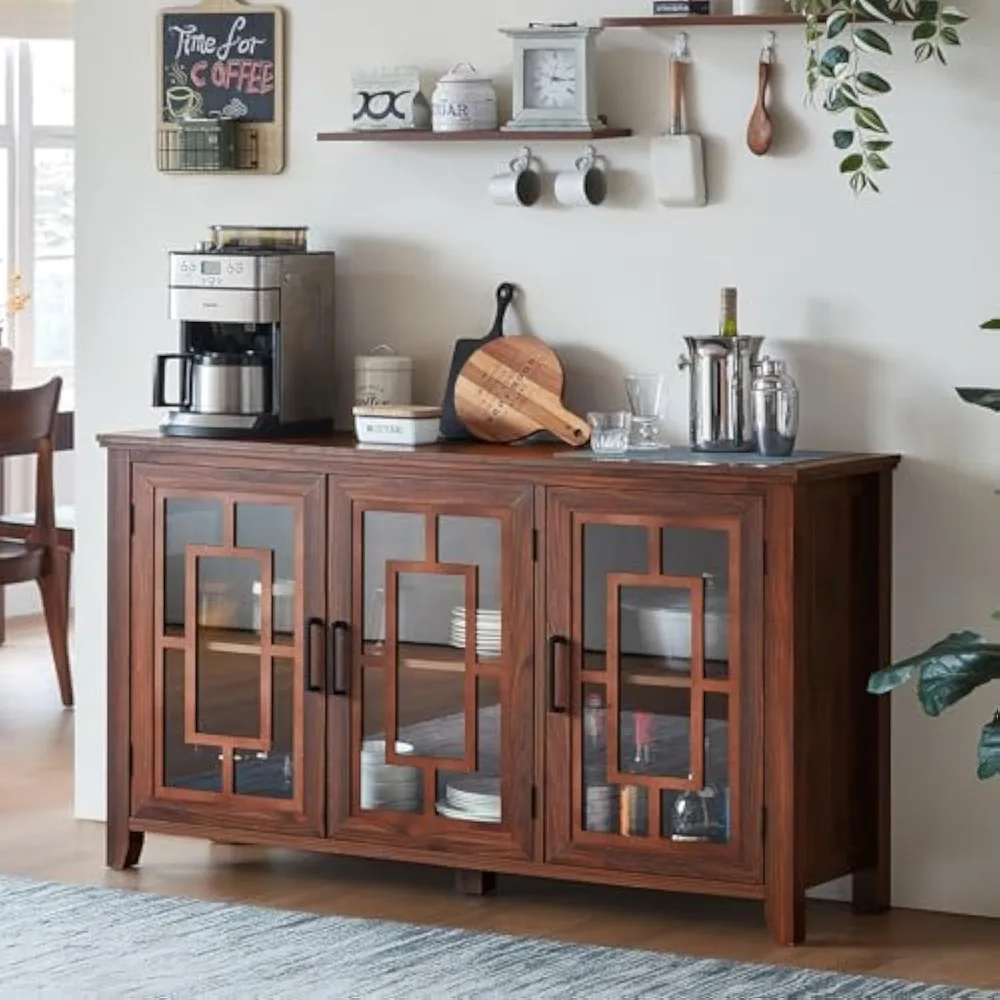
<point>489,632</point>
<point>602,806</point>
<point>388,786</point>
<point>472,798</point>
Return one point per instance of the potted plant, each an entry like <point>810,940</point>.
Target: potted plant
<point>963,662</point>
<point>844,40</point>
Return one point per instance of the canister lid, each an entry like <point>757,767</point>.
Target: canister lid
<point>383,359</point>
<point>398,411</point>
<point>464,73</point>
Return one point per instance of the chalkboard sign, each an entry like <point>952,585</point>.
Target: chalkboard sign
<point>221,64</point>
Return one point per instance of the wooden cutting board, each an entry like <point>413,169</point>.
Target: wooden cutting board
<point>511,388</point>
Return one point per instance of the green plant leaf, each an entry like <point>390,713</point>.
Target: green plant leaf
<point>876,162</point>
<point>849,164</point>
<point>991,324</point>
<point>989,749</point>
<point>891,678</point>
<point>953,668</point>
<point>836,55</point>
<point>987,398</point>
<point>878,9</point>
<point>950,36</point>
<point>836,22</point>
<point>870,119</point>
<point>843,138</point>
<point>924,52</point>
<point>952,15</point>
<point>873,83</point>
<point>877,145</point>
<point>870,40</point>
<point>924,31</point>
<point>996,616</point>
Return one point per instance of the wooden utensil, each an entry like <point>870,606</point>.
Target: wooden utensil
<point>512,387</point>
<point>452,428</point>
<point>760,132</point>
<point>678,159</point>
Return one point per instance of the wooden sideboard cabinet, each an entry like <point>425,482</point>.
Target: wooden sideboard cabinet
<point>505,660</point>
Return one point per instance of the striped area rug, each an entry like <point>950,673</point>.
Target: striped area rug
<point>82,942</point>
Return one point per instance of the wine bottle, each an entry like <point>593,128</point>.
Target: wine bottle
<point>728,325</point>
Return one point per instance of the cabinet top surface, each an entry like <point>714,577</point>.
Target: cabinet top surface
<point>548,460</point>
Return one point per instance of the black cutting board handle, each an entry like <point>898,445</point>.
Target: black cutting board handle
<point>505,296</point>
<point>452,429</point>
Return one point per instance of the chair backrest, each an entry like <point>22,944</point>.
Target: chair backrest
<point>28,418</point>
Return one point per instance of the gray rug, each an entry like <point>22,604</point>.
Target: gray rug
<point>67,941</point>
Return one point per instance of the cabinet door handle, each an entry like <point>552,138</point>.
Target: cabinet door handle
<point>339,659</point>
<point>558,674</point>
<point>312,624</point>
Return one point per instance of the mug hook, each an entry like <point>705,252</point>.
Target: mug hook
<point>522,161</point>
<point>588,160</point>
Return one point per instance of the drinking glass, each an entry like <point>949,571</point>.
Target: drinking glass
<point>645,394</point>
<point>609,432</point>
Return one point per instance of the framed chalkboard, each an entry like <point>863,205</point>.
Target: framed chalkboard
<point>224,60</point>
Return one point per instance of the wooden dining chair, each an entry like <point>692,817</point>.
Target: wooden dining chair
<point>27,426</point>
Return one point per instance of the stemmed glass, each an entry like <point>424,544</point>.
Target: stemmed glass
<point>645,396</point>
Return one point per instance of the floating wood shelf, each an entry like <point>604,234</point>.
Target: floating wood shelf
<point>423,135</point>
<point>717,20</point>
<point>701,20</point>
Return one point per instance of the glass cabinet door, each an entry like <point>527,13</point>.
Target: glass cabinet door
<point>441,593</point>
<point>236,619</point>
<point>653,703</point>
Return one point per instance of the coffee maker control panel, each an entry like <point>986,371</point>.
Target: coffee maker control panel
<point>216,270</point>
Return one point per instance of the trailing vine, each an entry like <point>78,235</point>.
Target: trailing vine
<point>841,36</point>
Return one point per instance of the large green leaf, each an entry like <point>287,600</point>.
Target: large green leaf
<point>946,672</point>
<point>989,749</point>
<point>988,398</point>
<point>991,324</point>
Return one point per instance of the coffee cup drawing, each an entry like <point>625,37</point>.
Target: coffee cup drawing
<point>183,103</point>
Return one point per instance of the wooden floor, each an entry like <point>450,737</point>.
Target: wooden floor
<point>39,839</point>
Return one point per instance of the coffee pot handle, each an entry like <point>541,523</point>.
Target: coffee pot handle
<point>160,378</point>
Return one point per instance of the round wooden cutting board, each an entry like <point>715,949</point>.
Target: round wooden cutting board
<point>511,388</point>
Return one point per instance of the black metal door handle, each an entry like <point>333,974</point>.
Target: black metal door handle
<point>339,659</point>
<point>558,681</point>
<point>312,685</point>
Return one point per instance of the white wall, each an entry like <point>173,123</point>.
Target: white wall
<point>875,302</point>
<point>36,18</point>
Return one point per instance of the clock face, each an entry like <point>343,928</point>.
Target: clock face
<point>550,78</point>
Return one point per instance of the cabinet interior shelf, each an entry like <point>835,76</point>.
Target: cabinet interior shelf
<point>494,135</point>
<point>222,640</point>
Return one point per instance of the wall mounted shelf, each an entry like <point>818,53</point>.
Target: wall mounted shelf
<point>415,135</point>
<point>717,20</point>
<point>697,20</point>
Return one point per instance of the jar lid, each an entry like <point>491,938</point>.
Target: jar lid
<point>279,588</point>
<point>383,359</point>
<point>464,73</point>
<point>398,412</point>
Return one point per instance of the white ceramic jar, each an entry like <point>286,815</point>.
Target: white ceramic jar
<point>743,7</point>
<point>464,101</point>
<point>383,378</point>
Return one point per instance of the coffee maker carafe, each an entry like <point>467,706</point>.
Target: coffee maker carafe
<point>256,343</point>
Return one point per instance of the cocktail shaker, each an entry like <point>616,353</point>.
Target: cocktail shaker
<point>775,409</point>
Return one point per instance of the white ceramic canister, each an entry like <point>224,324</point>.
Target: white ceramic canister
<point>464,101</point>
<point>383,378</point>
<point>744,7</point>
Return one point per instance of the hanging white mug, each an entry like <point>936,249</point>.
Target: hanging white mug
<point>587,184</point>
<point>521,185</point>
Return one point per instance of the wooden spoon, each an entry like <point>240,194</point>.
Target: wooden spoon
<point>760,132</point>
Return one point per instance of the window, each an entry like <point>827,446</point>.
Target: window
<point>37,170</point>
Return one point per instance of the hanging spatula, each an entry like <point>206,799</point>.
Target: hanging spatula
<point>678,159</point>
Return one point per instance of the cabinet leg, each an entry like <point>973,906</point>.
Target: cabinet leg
<point>871,890</point>
<point>786,918</point>
<point>124,849</point>
<point>475,883</point>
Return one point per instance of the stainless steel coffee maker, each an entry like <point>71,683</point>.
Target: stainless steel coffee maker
<point>256,341</point>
